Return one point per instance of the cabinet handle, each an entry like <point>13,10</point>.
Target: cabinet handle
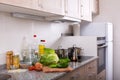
<point>73,78</point>
<point>90,75</point>
<point>40,3</point>
<point>41,6</point>
<point>78,75</point>
<point>66,6</point>
<point>81,5</point>
<point>100,78</point>
<point>81,11</point>
<point>89,67</point>
<point>66,11</point>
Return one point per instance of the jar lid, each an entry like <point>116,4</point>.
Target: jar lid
<point>9,52</point>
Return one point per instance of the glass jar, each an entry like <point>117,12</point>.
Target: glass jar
<point>9,59</point>
<point>16,61</point>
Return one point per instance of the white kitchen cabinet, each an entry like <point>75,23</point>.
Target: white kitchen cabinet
<point>20,3</point>
<point>71,12</point>
<point>86,13</point>
<point>72,8</point>
<point>52,6</point>
<point>33,7</point>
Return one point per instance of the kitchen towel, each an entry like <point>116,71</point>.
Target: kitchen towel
<point>76,29</point>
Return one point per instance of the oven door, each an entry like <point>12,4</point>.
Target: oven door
<point>101,57</point>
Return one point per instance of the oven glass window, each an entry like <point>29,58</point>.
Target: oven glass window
<point>101,59</point>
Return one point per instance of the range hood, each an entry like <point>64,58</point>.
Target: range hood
<point>56,18</point>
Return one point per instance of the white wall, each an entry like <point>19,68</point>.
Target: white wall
<point>110,12</point>
<point>12,31</point>
<point>89,48</point>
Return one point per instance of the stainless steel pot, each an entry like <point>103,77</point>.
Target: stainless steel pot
<point>74,53</point>
<point>62,53</point>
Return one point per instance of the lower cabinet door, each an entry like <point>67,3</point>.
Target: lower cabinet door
<point>91,76</point>
<point>101,75</point>
<point>86,72</point>
<point>78,74</point>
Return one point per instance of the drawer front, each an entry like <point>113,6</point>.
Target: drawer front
<point>91,70</point>
<point>91,67</point>
<point>101,76</point>
<point>77,74</point>
<point>90,76</point>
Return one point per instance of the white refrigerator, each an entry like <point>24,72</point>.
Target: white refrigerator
<point>102,30</point>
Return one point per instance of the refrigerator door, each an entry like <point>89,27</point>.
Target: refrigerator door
<point>109,61</point>
<point>109,32</point>
<point>93,29</point>
<point>102,30</point>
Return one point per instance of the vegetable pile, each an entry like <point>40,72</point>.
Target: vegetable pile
<point>50,58</point>
<point>38,67</point>
<point>62,63</point>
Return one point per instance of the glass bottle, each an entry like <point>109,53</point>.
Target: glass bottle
<point>25,49</point>
<point>34,49</point>
<point>41,47</point>
<point>34,44</point>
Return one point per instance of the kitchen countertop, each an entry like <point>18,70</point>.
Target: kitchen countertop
<point>24,74</point>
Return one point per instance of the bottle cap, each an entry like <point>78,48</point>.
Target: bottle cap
<point>42,40</point>
<point>34,35</point>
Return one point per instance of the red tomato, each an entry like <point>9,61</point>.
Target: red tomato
<point>30,68</point>
<point>38,66</point>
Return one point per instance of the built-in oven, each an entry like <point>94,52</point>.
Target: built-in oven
<point>101,52</point>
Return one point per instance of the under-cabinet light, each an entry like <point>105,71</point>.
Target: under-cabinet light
<point>28,16</point>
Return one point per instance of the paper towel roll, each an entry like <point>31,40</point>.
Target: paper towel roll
<point>76,29</point>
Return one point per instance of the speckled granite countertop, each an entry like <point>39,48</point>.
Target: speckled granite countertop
<point>34,75</point>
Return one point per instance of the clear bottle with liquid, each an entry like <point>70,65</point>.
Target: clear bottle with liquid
<point>25,49</point>
<point>34,49</point>
<point>34,43</point>
<point>41,47</point>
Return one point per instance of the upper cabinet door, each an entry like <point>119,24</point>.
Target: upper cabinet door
<point>20,3</point>
<point>72,8</point>
<point>53,6</point>
<point>86,13</point>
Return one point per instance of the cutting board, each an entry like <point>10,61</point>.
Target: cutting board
<point>48,70</point>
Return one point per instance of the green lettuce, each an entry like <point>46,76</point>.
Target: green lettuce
<point>49,57</point>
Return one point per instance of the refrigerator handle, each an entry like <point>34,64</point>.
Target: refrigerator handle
<point>102,46</point>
